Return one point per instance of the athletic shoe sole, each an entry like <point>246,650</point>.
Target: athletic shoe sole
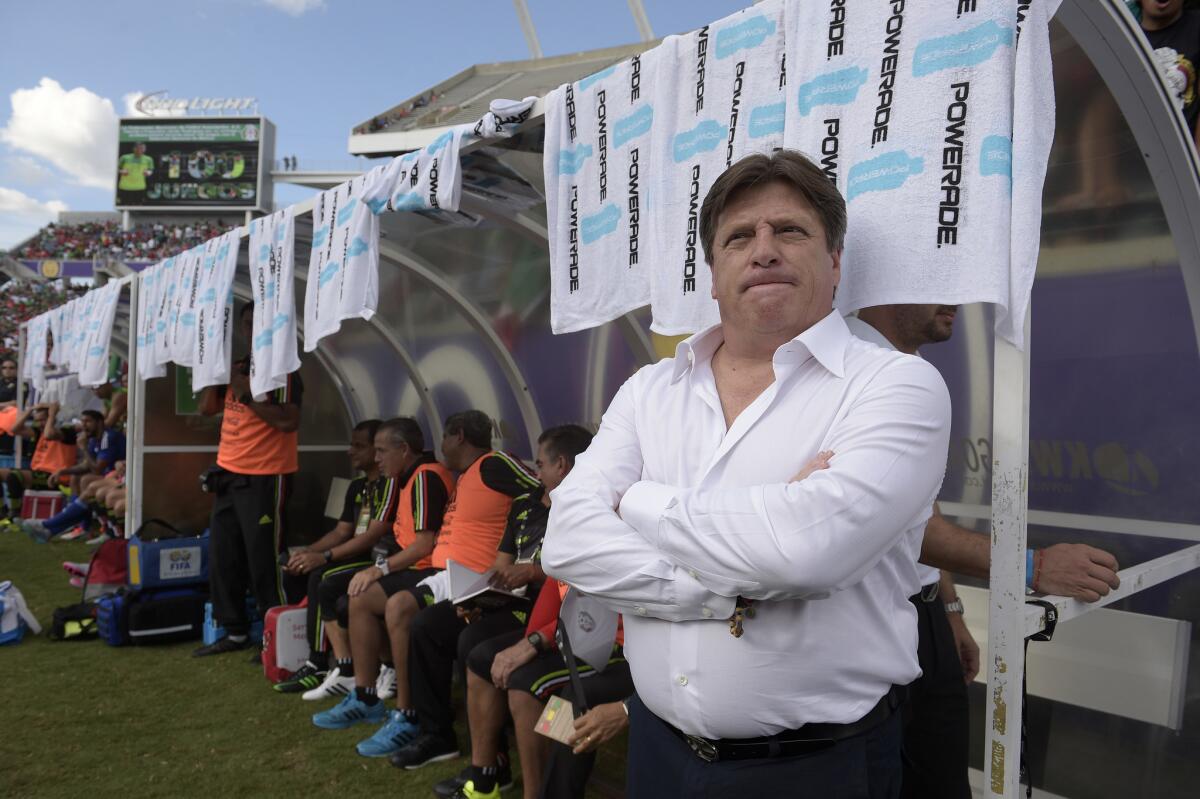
<point>434,759</point>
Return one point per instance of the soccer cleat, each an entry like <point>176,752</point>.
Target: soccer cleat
<point>424,750</point>
<point>76,568</point>
<point>98,540</point>
<point>333,685</point>
<point>446,789</point>
<point>36,531</point>
<point>467,791</point>
<point>220,647</point>
<point>74,535</point>
<point>76,582</point>
<point>348,712</point>
<point>396,733</point>
<point>385,685</point>
<point>306,678</point>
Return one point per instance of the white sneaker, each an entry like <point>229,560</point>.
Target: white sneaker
<point>335,685</point>
<point>385,686</point>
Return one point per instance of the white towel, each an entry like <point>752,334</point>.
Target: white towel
<point>343,271</point>
<point>164,309</point>
<point>912,113</point>
<point>93,356</point>
<point>272,276</point>
<point>211,348</point>
<point>502,119</point>
<point>33,362</point>
<point>182,323</point>
<point>149,291</point>
<point>718,92</point>
<point>598,163</point>
<point>84,320</point>
<point>439,177</point>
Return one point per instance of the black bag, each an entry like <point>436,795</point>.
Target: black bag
<point>74,623</point>
<point>158,617</point>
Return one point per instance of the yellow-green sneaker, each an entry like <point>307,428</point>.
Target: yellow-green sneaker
<point>468,791</point>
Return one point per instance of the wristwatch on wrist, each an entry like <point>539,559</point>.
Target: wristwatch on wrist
<point>328,555</point>
<point>382,565</point>
<point>536,640</point>
<point>955,607</point>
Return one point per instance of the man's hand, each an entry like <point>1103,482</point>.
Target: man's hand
<point>821,461</point>
<point>54,477</point>
<point>468,615</point>
<point>600,724</point>
<point>509,660</point>
<point>239,382</point>
<point>304,562</point>
<point>363,580</point>
<point>964,644</point>
<point>1076,570</point>
<point>515,575</point>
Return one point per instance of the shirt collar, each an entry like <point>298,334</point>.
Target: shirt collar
<point>826,341</point>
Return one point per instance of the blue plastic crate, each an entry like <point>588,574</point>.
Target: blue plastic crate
<point>214,632</point>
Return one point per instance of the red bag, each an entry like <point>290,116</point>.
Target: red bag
<point>285,641</point>
<point>109,569</point>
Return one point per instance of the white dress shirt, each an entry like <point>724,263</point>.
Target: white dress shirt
<point>926,574</point>
<point>669,516</point>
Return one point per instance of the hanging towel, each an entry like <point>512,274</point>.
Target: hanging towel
<point>273,354</point>
<point>33,364</point>
<point>93,357</point>
<point>148,301</point>
<point>502,119</point>
<point>394,188</point>
<point>85,322</point>
<point>182,323</point>
<point>718,94</point>
<point>168,290</point>
<point>343,271</point>
<point>911,113</point>
<point>213,341</point>
<point>598,162</point>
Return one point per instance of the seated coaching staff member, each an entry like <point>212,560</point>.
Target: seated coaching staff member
<point>685,510</point>
<point>257,457</point>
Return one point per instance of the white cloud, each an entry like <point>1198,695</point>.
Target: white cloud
<point>295,7</point>
<point>27,171</point>
<point>75,130</point>
<point>22,215</point>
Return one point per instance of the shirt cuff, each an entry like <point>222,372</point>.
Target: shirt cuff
<point>644,505</point>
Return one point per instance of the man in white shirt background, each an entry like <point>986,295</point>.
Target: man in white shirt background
<point>936,719</point>
<point>768,627</point>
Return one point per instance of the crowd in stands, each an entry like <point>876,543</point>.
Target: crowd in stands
<point>87,240</point>
<point>20,301</point>
<point>386,120</point>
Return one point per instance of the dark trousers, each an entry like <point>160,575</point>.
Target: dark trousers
<point>320,613</point>
<point>433,646</point>
<point>936,716</point>
<point>660,764</point>
<point>566,773</point>
<point>246,538</point>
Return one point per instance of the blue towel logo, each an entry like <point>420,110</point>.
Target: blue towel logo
<point>703,138</point>
<point>269,290</point>
<point>319,237</point>
<point>209,297</point>
<point>264,253</point>
<point>995,157</point>
<point>279,233</point>
<point>188,319</point>
<point>600,224</point>
<point>410,201</point>
<point>96,352</point>
<point>584,83</point>
<point>439,142</point>
<point>835,88</point>
<point>966,49</point>
<point>571,161</point>
<point>346,211</point>
<point>329,272</point>
<point>767,120</point>
<point>882,173</point>
<point>357,247</point>
<point>632,126</point>
<point>751,33</point>
<point>376,206</point>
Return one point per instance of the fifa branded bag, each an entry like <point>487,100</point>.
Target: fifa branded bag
<point>15,616</point>
<point>165,616</point>
<point>285,641</point>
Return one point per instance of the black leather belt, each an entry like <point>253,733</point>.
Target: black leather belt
<point>807,739</point>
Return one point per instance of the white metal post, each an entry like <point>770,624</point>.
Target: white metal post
<point>1006,619</point>
<point>135,417</point>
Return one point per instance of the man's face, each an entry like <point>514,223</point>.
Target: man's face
<point>772,270</point>
<point>1161,12</point>
<point>139,149</point>
<point>925,324</point>
<point>551,468</point>
<point>8,370</point>
<point>90,426</point>
<point>453,446</point>
<point>362,453</point>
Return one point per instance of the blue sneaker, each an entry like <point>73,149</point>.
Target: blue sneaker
<point>396,733</point>
<point>348,712</point>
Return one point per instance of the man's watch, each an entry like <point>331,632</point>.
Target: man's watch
<point>536,640</point>
<point>329,556</point>
<point>955,607</point>
<point>382,564</point>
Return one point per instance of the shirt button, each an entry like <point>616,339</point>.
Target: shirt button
<point>682,680</point>
<point>640,611</point>
<point>706,613</point>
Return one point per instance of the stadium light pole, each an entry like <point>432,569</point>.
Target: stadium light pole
<point>527,28</point>
<point>641,20</point>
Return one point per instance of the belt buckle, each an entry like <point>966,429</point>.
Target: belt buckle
<point>705,749</point>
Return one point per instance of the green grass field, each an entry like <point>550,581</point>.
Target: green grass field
<point>82,719</point>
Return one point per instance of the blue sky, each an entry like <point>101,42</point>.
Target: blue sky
<point>69,68</point>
